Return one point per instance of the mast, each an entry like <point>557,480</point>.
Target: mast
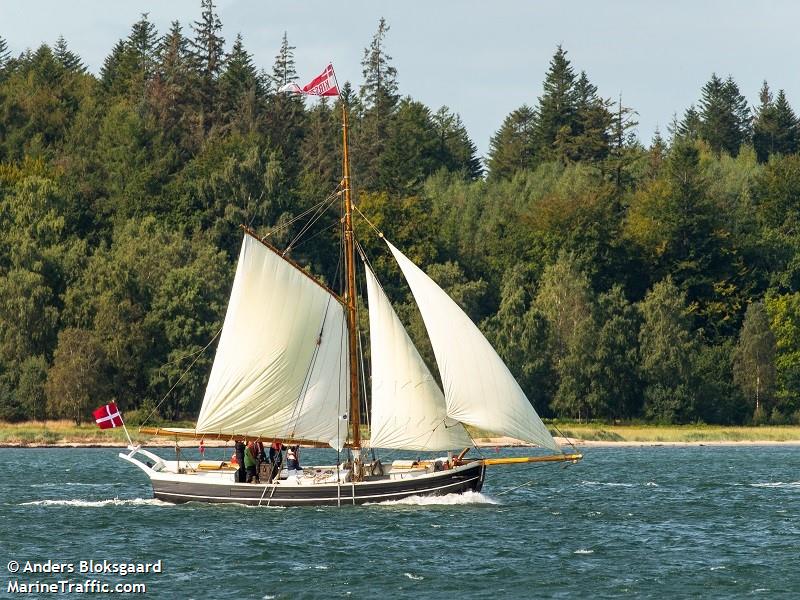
<point>350,288</point>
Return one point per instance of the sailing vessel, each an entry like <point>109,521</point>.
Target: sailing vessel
<point>287,369</point>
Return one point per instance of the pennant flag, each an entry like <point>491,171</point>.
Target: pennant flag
<point>321,85</point>
<point>108,416</point>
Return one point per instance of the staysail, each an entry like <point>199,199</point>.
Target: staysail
<point>281,366</point>
<point>478,387</point>
<point>408,408</point>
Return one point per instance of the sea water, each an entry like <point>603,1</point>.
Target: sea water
<point>640,522</point>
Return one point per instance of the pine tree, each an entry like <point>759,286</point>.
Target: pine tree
<point>285,113</point>
<point>589,137</point>
<point>456,151</point>
<point>5,53</point>
<point>788,131</point>
<point>207,52</point>
<point>379,91</point>
<point>764,125</point>
<point>240,88</point>
<point>622,144</point>
<point>666,352</point>
<point>724,116</point>
<point>558,106</point>
<point>171,90</point>
<point>283,70</point>
<point>143,41</point>
<point>775,126</point>
<point>513,147</point>
<point>689,127</point>
<point>379,98</point>
<point>65,56</point>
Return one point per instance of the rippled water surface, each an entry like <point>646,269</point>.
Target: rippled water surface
<point>711,522</point>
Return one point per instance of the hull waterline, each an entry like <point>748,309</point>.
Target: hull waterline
<point>193,487</point>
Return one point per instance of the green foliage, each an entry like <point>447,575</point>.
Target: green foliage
<point>754,359</point>
<point>612,278</point>
<point>667,349</point>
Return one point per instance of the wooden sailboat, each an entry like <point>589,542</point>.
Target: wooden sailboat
<point>287,369</point>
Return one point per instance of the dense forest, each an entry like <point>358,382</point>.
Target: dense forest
<point>619,280</point>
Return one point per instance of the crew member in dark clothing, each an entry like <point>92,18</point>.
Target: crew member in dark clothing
<point>293,458</point>
<point>250,463</point>
<point>241,474</point>
<point>276,458</point>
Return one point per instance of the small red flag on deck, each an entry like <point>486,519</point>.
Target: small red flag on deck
<point>322,85</point>
<point>108,416</point>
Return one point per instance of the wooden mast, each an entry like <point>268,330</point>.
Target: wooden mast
<point>350,289</point>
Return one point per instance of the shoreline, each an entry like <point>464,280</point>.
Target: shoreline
<point>480,443</point>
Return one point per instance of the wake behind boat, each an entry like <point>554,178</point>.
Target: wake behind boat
<point>288,369</point>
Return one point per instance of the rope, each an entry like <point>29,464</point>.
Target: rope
<point>199,353</point>
<point>516,487</point>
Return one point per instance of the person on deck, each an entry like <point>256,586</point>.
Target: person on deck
<point>250,463</point>
<point>241,474</point>
<point>276,458</point>
<point>293,458</point>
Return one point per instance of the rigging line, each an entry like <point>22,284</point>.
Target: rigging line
<point>199,354</point>
<point>249,197</point>
<point>309,238</point>
<point>370,223</point>
<point>309,210</point>
<point>316,217</point>
<point>516,487</point>
<point>569,441</point>
<point>301,399</point>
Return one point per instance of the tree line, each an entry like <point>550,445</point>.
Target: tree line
<point>619,280</point>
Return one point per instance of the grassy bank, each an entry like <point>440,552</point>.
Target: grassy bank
<point>599,432</point>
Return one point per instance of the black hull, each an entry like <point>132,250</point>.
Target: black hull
<point>454,481</point>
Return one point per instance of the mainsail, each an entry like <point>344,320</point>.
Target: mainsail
<point>281,366</point>
<point>478,387</point>
<point>408,408</point>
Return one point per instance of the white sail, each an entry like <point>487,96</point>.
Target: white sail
<point>281,366</point>
<point>408,408</point>
<point>478,387</point>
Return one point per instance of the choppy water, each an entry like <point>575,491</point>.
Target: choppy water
<point>710,522</point>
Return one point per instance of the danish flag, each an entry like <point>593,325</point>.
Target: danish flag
<point>324,84</point>
<point>108,416</point>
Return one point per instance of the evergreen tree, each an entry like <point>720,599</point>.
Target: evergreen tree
<point>285,113</point>
<point>667,350</point>
<point>724,116</point>
<point>456,151</point>
<point>689,127</point>
<point>143,42</point>
<point>171,92</point>
<point>558,107</point>
<point>5,54</point>
<point>207,52</point>
<point>69,60</point>
<point>589,137</point>
<point>788,138</point>
<point>513,147</point>
<point>283,69</point>
<point>615,389</point>
<point>623,144</point>
<point>775,127</point>
<point>379,98</point>
<point>240,88</point>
